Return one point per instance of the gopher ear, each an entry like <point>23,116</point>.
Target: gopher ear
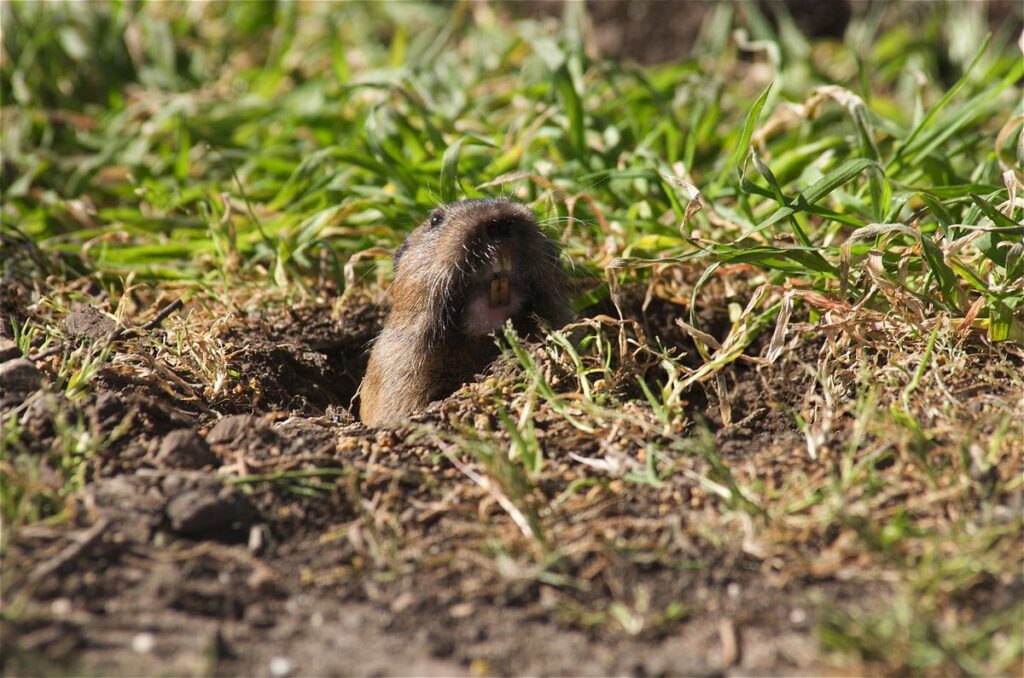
<point>397,256</point>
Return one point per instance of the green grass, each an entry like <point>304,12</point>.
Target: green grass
<point>865,194</point>
<point>309,155</point>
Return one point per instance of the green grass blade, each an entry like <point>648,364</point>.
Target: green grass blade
<point>743,142</point>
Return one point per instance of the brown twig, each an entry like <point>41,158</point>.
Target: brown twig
<point>162,315</point>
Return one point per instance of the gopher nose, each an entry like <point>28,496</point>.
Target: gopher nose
<point>498,228</point>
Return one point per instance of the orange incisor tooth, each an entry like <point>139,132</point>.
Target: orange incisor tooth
<point>499,292</point>
<point>495,292</point>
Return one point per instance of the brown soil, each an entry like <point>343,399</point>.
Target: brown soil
<point>386,558</point>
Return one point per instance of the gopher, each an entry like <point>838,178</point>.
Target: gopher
<point>459,276</point>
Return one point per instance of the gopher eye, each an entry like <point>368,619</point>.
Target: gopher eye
<point>436,219</point>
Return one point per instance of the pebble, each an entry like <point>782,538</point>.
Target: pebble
<point>61,607</point>
<point>185,449</point>
<point>89,323</point>
<point>233,427</point>
<point>8,350</point>
<point>143,643</point>
<point>209,509</point>
<point>20,376</point>
<point>281,666</point>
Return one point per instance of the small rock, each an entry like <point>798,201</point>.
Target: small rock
<point>258,538</point>
<point>403,602</point>
<point>461,610</point>
<point>281,667</point>
<point>208,508</point>
<point>233,427</point>
<point>61,607</point>
<point>132,505</point>
<point>8,350</point>
<point>186,449</point>
<point>88,323</point>
<point>20,376</point>
<point>143,643</point>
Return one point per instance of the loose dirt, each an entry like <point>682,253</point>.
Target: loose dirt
<point>260,530</point>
